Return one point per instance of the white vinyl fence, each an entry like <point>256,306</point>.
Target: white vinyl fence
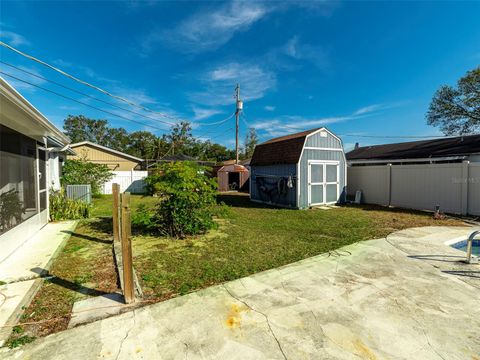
<point>454,187</point>
<point>130,181</point>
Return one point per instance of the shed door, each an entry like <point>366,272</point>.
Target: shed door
<point>323,182</point>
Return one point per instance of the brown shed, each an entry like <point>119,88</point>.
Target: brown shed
<point>233,177</point>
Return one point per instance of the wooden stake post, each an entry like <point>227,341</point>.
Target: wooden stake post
<point>116,212</point>
<point>128,291</point>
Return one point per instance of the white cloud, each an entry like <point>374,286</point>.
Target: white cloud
<point>300,51</point>
<point>208,30</point>
<point>13,38</point>
<point>286,124</point>
<point>203,113</point>
<point>269,108</point>
<point>368,109</point>
<point>219,83</point>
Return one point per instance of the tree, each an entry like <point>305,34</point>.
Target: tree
<point>457,110</point>
<point>144,144</point>
<point>180,137</point>
<point>217,152</point>
<point>117,139</point>
<point>80,172</point>
<point>80,128</point>
<point>251,140</point>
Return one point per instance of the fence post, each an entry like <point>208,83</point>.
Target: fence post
<point>464,185</point>
<point>116,211</point>
<point>389,183</point>
<point>128,291</point>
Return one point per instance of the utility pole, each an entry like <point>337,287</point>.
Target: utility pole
<point>239,105</point>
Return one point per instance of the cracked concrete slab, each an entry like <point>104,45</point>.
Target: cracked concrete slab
<point>370,300</point>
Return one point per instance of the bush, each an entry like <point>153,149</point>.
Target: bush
<point>187,199</point>
<point>63,208</point>
<point>80,172</point>
<point>143,219</point>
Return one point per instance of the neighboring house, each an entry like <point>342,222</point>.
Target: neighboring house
<point>31,150</point>
<point>299,170</point>
<point>99,154</point>
<point>424,175</point>
<point>443,150</point>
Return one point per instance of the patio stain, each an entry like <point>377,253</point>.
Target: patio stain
<point>234,316</point>
<point>363,350</point>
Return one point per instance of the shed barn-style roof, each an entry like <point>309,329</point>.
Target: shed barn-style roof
<point>452,146</point>
<point>281,150</point>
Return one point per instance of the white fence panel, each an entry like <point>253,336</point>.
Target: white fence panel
<point>454,187</point>
<point>425,186</point>
<point>129,181</point>
<point>474,189</point>
<point>373,181</point>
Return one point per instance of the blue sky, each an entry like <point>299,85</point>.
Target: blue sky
<point>358,68</point>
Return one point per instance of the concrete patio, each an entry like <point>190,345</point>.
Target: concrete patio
<point>372,300</point>
<point>21,271</point>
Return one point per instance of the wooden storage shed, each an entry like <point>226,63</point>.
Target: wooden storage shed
<point>299,170</point>
<point>233,177</point>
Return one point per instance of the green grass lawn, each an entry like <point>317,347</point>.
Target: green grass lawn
<point>253,238</point>
<point>250,238</point>
<point>102,205</point>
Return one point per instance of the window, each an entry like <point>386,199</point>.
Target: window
<point>18,200</point>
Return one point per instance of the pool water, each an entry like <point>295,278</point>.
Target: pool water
<point>462,245</point>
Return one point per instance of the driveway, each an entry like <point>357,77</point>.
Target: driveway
<point>370,300</point>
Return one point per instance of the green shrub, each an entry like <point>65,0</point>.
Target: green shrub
<point>187,199</point>
<point>63,208</point>
<point>80,172</point>
<point>143,219</point>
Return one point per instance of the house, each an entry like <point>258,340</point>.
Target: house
<point>440,174</point>
<point>443,150</point>
<point>299,170</point>
<point>99,154</point>
<point>31,153</point>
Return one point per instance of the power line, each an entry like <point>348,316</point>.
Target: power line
<point>218,122</point>
<point>106,102</point>
<point>370,136</point>
<point>244,119</point>
<point>217,129</point>
<point>30,57</point>
<point>80,102</point>
<point>84,94</point>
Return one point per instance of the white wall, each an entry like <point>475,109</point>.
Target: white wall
<point>130,181</point>
<point>53,166</point>
<point>373,181</point>
<point>454,187</point>
<point>474,189</point>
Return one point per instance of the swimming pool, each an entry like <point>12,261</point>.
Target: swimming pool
<point>462,245</point>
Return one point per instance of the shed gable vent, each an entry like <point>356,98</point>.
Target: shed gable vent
<point>323,134</point>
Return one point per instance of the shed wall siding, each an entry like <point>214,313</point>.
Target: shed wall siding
<point>317,140</point>
<point>290,199</point>
<point>323,142</point>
